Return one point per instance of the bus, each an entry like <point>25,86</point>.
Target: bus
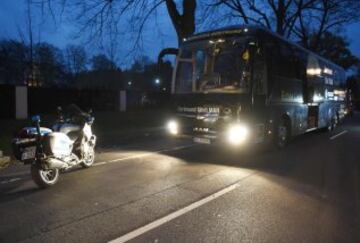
<point>245,84</point>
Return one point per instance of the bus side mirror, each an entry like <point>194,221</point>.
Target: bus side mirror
<point>164,52</point>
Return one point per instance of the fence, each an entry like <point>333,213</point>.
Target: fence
<point>7,101</point>
<point>45,100</point>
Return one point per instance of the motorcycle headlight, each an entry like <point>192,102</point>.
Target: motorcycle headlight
<point>237,134</point>
<point>172,127</point>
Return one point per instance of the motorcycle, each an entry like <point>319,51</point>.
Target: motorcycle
<point>69,143</point>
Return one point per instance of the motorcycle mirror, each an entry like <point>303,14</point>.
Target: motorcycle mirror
<point>90,120</point>
<point>35,118</point>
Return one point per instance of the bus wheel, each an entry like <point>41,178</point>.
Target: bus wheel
<point>282,135</point>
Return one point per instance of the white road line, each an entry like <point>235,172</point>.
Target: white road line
<point>338,135</point>
<point>137,232</point>
<point>10,180</point>
<point>119,160</point>
<point>143,155</point>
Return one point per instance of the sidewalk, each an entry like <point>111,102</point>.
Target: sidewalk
<point>4,160</point>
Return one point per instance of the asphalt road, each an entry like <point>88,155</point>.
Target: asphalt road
<point>159,190</point>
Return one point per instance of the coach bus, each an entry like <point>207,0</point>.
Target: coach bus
<point>245,84</point>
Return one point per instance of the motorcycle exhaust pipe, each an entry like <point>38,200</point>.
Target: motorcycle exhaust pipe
<point>53,163</point>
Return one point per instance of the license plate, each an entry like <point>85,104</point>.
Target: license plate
<point>29,153</point>
<point>202,140</point>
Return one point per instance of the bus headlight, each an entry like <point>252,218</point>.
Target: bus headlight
<point>237,134</point>
<point>172,127</point>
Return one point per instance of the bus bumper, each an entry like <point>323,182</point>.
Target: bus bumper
<point>236,136</point>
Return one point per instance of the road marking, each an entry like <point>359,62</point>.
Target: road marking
<point>139,231</point>
<point>10,180</point>
<point>118,160</point>
<point>338,135</point>
<point>143,155</point>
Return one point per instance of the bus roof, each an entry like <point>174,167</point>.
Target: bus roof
<point>247,29</point>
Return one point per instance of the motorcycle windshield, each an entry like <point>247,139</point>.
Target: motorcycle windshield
<point>74,110</point>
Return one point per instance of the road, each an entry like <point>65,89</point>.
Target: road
<point>160,190</point>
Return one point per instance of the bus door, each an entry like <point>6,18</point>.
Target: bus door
<point>259,78</point>
<point>314,90</point>
<point>313,116</point>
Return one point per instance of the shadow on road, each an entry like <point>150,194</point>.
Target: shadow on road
<point>330,169</point>
<point>10,192</point>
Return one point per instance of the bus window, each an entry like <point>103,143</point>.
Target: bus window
<point>313,68</point>
<point>300,62</point>
<point>214,67</point>
<point>186,53</point>
<point>185,74</point>
<point>231,66</point>
<point>287,62</point>
<point>199,66</point>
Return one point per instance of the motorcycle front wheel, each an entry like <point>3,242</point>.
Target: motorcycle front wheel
<point>89,158</point>
<point>44,178</point>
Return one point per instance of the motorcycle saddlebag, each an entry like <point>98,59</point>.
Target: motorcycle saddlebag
<point>24,144</point>
<point>21,146</point>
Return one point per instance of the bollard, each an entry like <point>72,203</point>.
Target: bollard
<point>21,102</point>
<point>122,101</point>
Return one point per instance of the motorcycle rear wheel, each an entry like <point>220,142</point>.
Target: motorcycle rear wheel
<point>44,178</point>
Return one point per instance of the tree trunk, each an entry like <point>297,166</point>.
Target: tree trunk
<point>280,17</point>
<point>184,24</point>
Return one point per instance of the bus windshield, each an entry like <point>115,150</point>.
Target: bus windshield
<point>219,66</point>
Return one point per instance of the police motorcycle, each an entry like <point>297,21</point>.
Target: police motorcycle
<point>69,143</point>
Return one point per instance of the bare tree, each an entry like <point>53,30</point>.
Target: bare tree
<point>27,39</point>
<point>289,18</point>
<point>325,16</point>
<point>278,15</point>
<point>76,59</point>
<point>107,18</point>
<point>49,63</point>
<point>184,23</point>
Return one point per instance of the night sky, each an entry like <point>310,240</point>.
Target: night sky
<point>13,14</point>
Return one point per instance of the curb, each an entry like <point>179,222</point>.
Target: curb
<point>4,162</point>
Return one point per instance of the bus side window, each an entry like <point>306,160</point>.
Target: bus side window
<point>287,62</point>
<point>184,77</point>
<point>300,62</point>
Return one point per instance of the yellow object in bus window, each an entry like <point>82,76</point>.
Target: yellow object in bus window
<point>246,55</point>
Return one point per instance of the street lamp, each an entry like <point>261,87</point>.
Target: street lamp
<point>157,81</point>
